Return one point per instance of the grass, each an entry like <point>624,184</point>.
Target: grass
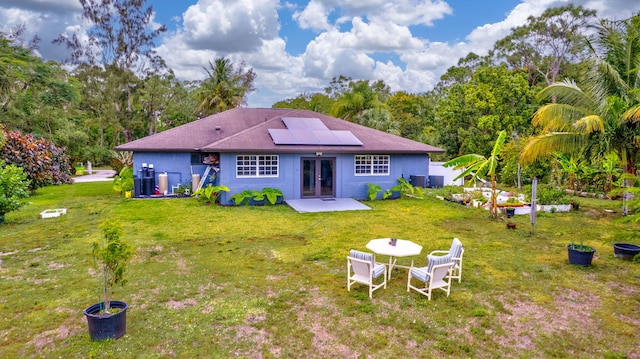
<point>267,282</point>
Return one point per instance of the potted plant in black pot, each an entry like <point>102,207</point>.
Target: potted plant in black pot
<point>108,319</point>
<point>580,254</point>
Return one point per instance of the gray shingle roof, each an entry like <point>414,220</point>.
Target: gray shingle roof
<point>246,130</point>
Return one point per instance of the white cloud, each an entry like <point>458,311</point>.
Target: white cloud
<point>47,26</point>
<point>484,37</point>
<point>379,36</point>
<point>411,12</point>
<point>314,17</point>
<point>230,25</point>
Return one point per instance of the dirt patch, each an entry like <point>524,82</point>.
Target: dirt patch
<point>189,302</point>
<point>526,321</point>
<point>45,339</point>
<point>325,339</point>
<point>55,266</point>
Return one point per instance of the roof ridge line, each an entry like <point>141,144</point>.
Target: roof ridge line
<point>222,140</point>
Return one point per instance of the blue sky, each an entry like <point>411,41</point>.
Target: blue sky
<point>297,46</point>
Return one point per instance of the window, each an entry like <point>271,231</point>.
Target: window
<point>371,165</point>
<point>257,166</point>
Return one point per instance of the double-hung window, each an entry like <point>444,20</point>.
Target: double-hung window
<point>371,165</point>
<point>257,166</point>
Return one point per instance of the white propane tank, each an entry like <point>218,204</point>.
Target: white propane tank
<point>195,180</point>
<point>163,183</point>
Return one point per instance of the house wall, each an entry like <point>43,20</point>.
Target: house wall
<point>179,169</point>
<point>177,166</point>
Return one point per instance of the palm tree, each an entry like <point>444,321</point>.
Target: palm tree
<point>224,88</point>
<point>360,97</point>
<point>478,165</point>
<point>604,118</point>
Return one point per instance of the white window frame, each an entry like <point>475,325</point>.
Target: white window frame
<point>257,166</point>
<point>375,163</point>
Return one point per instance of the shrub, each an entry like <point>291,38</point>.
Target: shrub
<point>14,187</point>
<point>210,194</point>
<point>244,197</point>
<point>372,191</point>
<point>547,194</point>
<point>43,162</point>
<point>123,182</point>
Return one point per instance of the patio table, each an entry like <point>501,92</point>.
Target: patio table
<point>403,248</point>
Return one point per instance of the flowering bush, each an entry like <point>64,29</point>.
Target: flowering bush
<point>42,161</point>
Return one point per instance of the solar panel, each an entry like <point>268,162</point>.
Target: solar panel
<point>311,131</point>
<point>347,138</point>
<point>302,123</point>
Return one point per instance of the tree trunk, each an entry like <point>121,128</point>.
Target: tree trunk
<point>107,304</point>
<point>494,204</point>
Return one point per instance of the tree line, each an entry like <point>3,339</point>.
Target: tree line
<point>112,89</point>
<point>565,83</point>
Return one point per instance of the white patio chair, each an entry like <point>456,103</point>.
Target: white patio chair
<point>362,268</point>
<point>455,252</point>
<point>436,275</point>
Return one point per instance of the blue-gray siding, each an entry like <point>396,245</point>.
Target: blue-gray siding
<point>348,185</point>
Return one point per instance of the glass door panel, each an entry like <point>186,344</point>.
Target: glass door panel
<point>318,177</point>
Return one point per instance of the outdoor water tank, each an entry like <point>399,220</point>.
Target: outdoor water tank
<point>417,181</point>
<point>148,186</point>
<point>195,181</point>
<point>163,183</point>
<point>152,174</point>
<point>137,186</point>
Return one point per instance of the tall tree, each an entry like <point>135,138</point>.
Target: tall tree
<point>36,96</point>
<point>494,99</point>
<point>603,118</point>
<point>317,102</point>
<point>414,115</point>
<point>546,44</point>
<point>360,96</point>
<point>225,87</point>
<point>120,43</point>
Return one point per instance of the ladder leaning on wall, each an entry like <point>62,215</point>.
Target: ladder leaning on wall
<point>205,175</point>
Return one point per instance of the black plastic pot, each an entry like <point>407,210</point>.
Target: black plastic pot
<point>625,250</point>
<point>510,212</point>
<point>580,257</point>
<point>107,326</point>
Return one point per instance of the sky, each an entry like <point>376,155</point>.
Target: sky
<point>298,46</point>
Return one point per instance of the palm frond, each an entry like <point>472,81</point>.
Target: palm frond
<point>632,114</point>
<point>567,92</point>
<point>589,124</point>
<point>556,117</point>
<point>549,143</point>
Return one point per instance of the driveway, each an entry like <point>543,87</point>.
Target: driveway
<point>96,176</point>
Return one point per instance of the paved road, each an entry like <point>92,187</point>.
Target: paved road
<point>97,175</point>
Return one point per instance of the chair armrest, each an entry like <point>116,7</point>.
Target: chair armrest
<point>420,269</point>
<point>439,252</point>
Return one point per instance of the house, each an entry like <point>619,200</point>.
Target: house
<point>302,153</point>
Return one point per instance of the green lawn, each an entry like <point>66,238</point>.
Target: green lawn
<point>267,282</point>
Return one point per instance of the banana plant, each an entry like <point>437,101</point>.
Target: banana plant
<point>475,165</point>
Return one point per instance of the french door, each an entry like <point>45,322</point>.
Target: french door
<point>318,177</point>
